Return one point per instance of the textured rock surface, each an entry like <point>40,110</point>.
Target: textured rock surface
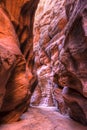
<point>15,76</point>
<point>22,20</point>
<point>62,108</point>
<point>49,22</point>
<point>61,54</point>
<point>73,69</point>
<point>60,64</point>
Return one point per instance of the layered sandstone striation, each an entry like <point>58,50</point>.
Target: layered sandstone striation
<point>73,58</point>
<point>52,66</point>
<point>49,22</point>
<point>60,48</point>
<point>16,60</point>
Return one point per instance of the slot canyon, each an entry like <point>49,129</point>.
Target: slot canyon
<point>43,69</point>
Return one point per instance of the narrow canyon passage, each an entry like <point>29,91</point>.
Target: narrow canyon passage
<point>43,118</point>
<point>43,64</point>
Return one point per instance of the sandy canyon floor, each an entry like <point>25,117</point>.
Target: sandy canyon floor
<point>42,118</point>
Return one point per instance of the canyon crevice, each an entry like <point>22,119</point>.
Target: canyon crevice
<point>43,58</point>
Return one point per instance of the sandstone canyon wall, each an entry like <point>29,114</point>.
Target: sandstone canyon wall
<point>52,66</point>
<point>60,48</point>
<point>16,57</point>
<point>49,21</point>
<point>73,57</point>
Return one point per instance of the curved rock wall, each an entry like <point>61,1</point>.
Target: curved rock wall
<point>73,57</point>
<point>60,48</point>
<point>49,23</point>
<point>16,60</point>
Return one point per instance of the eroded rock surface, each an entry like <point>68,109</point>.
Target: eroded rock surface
<point>60,47</point>
<point>50,20</point>
<point>58,72</point>
<point>15,73</point>
<point>73,56</point>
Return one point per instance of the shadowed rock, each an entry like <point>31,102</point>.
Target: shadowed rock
<point>73,56</point>
<point>15,76</point>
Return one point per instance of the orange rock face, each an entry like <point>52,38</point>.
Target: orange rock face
<point>73,58</point>
<point>60,48</point>
<point>52,65</point>
<point>49,23</point>
<point>16,50</point>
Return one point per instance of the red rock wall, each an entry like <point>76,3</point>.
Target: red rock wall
<point>16,60</point>
<point>58,61</point>
<point>49,22</point>
<point>60,56</point>
<point>73,58</point>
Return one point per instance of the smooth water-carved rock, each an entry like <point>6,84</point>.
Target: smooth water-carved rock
<point>15,75</point>
<point>50,20</point>
<point>61,46</point>
<point>60,50</point>
<point>13,69</point>
<point>73,58</point>
<point>23,19</point>
<point>62,107</point>
<point>73,54</point>
<point>77,105</point>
